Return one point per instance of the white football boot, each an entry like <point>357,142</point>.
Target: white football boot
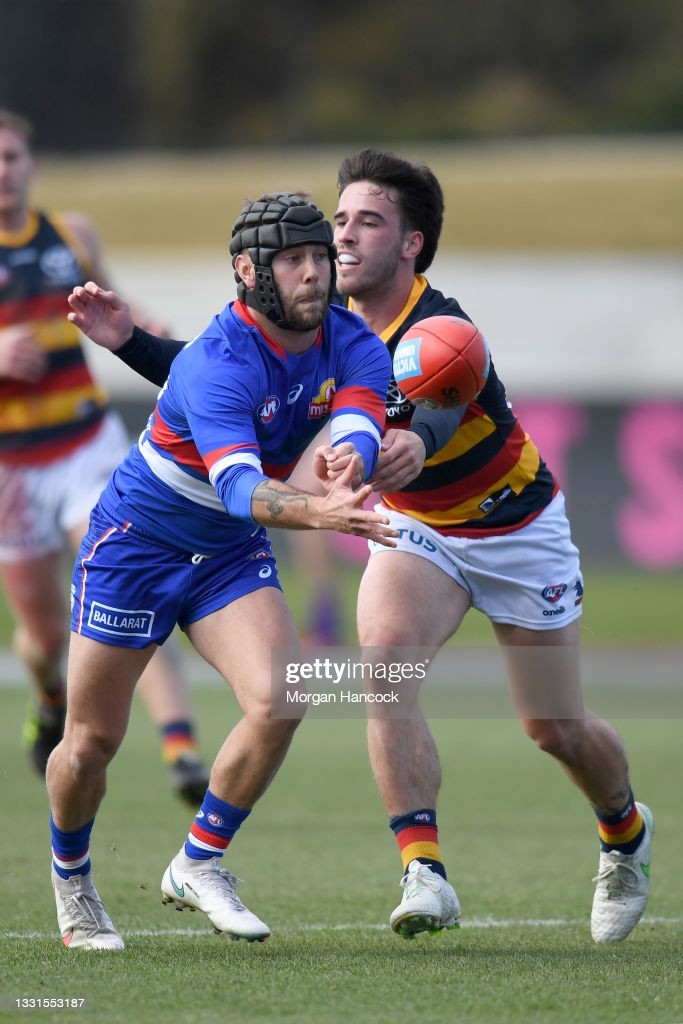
<point>83,921</point>
<point>429,903</point>
<point>205,885</point>
<point>622,887</point>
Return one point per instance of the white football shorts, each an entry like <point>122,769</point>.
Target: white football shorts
<point>38,504</point>
<point>530,577</point>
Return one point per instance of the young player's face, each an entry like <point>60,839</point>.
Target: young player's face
<point>16,171</point>
<point>369,236</point>
<point>303,278</point>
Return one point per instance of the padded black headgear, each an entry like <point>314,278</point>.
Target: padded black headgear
<point>276,221</point>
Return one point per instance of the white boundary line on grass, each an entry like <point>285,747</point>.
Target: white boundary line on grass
<point>483,923</point>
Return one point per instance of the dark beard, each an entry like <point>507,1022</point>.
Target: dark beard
<point>302,322</point>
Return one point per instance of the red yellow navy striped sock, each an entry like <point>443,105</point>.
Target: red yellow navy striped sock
<point>417,836</point>
<point>177,738</point>
<point>623,832</point>
<point>53,695</point>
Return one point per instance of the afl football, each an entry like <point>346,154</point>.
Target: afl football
<point>441,362</point>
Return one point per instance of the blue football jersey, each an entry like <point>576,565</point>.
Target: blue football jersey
<point>237,409</point>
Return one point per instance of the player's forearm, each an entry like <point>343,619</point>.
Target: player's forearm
<point>436,426</point>
<point>149,356</point>
<point>274,503</point>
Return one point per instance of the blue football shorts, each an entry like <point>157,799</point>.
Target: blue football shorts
<point>130,591</point>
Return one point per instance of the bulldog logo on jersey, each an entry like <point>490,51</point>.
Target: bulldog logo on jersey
<point>266,411</point>
<point>322,403</point>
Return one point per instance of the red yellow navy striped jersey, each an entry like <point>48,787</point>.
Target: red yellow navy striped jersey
<point>45,420</point>
<point>489,478</point>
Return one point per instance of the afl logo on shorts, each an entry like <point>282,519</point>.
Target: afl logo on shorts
<point>554,592</point>
<point>262,553</point>
<point>266,411</point>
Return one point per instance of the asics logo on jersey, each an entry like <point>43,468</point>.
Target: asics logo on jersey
<point>266,411</point>
<point>294,394</point>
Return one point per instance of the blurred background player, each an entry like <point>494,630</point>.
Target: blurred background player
<point>316,566</point>
<point>59,441</point>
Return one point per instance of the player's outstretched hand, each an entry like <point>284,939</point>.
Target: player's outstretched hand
<point>101,315</point>
<point>342,508</point>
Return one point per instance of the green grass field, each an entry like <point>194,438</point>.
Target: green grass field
<point>322,868</point>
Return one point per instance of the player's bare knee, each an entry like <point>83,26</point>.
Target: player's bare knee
<point>561,738</point>
<point>387,648</point>
<point>273,711</point>
<point>88,752</point>
<point>40,651</point>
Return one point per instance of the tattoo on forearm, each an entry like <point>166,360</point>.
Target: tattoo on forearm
<point>275,499</point>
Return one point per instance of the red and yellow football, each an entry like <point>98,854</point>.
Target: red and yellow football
<point>441,362</point>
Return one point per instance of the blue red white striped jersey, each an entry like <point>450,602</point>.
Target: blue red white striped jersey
<point>237,409</point>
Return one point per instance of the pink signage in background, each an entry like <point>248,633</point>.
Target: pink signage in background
<point>650,522</point>
<point>555,427</point>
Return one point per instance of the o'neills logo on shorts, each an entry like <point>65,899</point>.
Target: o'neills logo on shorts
<point>120,621</point>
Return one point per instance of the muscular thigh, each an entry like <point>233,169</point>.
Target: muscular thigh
<point>101,680</point>
<point>405,599</point>
<point>240,639</point>
<point>543,670</point>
